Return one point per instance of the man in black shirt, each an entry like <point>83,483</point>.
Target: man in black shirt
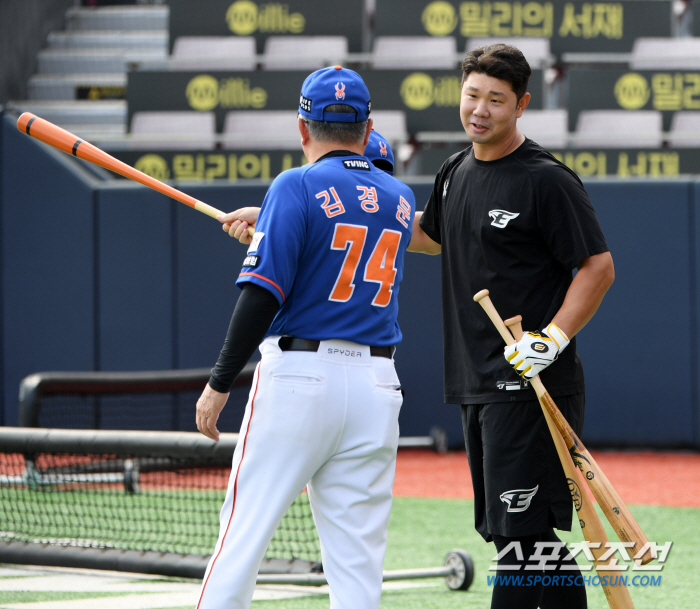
<point>507,216</point>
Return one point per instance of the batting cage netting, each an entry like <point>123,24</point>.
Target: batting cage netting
<point>128,500</point>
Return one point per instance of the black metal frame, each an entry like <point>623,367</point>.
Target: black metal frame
<point>34,386</point>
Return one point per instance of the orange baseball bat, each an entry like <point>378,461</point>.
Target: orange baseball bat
<point>615,510</point>
<point>618,597</point>
<point>65,141</point>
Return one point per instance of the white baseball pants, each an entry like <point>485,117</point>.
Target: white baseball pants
<point>329,419</point>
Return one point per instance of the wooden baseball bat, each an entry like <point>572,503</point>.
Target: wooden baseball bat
<point>615,510</point>
<point>65,141</point>
<point>618,597</point>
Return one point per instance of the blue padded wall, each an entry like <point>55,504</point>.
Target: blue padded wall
<point>637,351</point>
<point>135,278</point>
<point>208,263</point>
<point>47,264</point>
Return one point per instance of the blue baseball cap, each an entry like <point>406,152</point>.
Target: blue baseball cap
<point>379,152</point>
<point>334,85</point>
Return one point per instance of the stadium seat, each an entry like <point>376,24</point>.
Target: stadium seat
<point>93,61</point>
<point>618,129</point>
<point>213,53</point>
<point>100,39</point>
<point>117,18</point>
<point>170,130</point>
<point>409,52</point>
<point>303,52</point>
<point>261,130</point>
<point>391,124</point>
<point>665,53</point>
<point>685,130</point>
<point>537,51</point>
<point>549,128</point>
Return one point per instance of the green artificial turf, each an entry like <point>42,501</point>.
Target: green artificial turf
<point>27,596</point>
<point>422,531</point>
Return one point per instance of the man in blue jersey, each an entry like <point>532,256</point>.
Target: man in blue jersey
<point>319,296</point>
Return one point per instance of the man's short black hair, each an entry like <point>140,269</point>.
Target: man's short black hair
<point>499,61</point>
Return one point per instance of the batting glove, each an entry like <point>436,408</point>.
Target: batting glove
<point>536,350</point>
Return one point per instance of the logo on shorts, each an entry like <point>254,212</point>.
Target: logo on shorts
<point>501,217</point>
<point>519,500</point>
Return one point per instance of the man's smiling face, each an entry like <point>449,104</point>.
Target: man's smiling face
<point>489,109</point>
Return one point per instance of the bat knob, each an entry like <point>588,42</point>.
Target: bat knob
<point>24,119</point>
<point>480,295</point>
<point>513,320</point>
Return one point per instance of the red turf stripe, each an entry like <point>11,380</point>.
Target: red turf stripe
<point>235,487</point>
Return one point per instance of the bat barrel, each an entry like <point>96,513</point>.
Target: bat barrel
<point>69,143</point>
<point>48,133</point>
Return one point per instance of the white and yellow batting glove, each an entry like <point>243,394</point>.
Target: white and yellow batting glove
<point>536,350</point>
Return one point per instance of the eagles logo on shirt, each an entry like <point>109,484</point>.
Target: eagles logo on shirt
<point>501,217</point>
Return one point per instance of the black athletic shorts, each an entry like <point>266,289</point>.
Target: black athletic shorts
<point>519,484</point>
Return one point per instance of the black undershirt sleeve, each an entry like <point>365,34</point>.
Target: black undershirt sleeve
<point>255,310</point>
<point>430,220</point>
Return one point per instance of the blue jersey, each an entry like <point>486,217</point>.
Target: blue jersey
<point>329,244</point>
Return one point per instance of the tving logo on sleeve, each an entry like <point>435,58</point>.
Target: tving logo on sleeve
<point>501,217</point>
<point>519,500</point>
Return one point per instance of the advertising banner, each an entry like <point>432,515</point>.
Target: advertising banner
<point>430,98</point>
<point>596,162</point>
<point>574,26</point>
<point>263,19</point>
<point>207,165</point>
<point>614,89</point>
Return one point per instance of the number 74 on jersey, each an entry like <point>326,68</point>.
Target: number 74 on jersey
<point>381,266</point>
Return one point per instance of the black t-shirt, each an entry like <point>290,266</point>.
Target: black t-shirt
<point>516,226</point>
